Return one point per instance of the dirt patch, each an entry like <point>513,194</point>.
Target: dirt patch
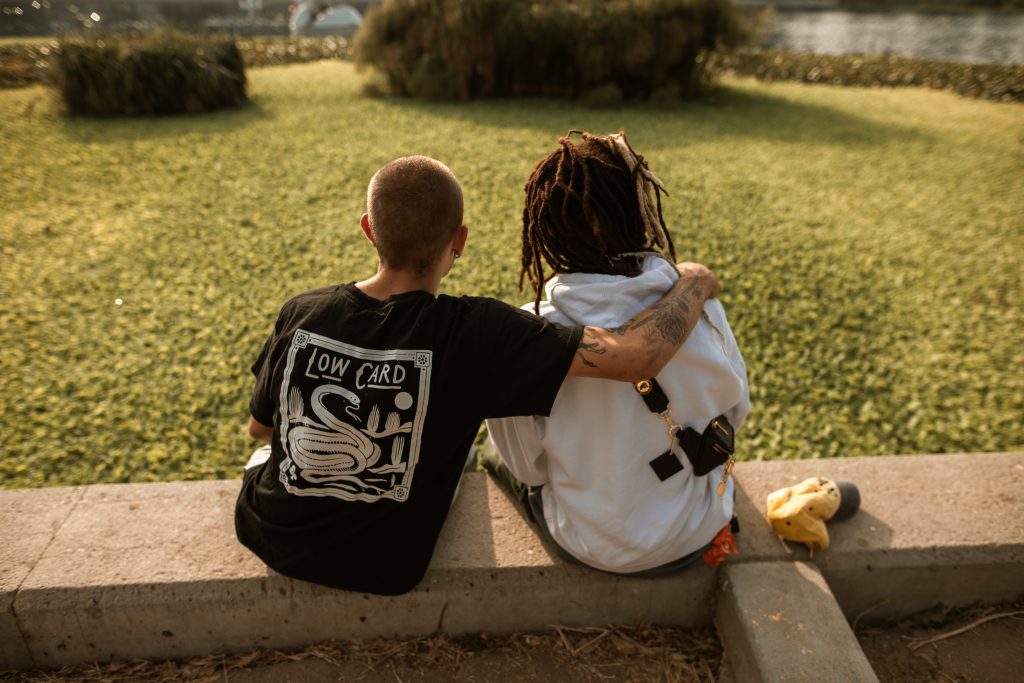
<point>974,645</point>
<point>626,654</point>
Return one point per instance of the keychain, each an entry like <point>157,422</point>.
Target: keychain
<point>705,451</point>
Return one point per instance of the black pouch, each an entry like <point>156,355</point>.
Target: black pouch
<point>708,450</point>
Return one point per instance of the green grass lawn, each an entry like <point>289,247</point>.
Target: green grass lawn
<point>869,242</point>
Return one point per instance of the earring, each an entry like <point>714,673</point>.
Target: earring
<point>457,254</point>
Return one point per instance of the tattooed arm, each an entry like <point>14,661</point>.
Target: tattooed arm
<point>640,348</point>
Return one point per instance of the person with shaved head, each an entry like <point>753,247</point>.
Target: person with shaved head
<point>369,393</point>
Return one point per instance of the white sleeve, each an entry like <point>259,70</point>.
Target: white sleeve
<point>516,441</point>
<point>737,413</point>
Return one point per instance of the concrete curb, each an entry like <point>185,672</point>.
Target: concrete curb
<point>778,621</point>
<point>932,529</point>
<point>153,570</point>
<point>29,520</point>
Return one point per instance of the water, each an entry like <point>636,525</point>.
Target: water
<point>971,38</point>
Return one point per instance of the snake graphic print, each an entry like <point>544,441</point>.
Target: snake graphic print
<point>351,419</point>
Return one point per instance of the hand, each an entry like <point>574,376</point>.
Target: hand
<point>700,276</point>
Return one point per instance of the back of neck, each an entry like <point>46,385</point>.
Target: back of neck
<point>387,283</point>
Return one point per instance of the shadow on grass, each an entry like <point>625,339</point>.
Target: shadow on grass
<point>727,112</point>
<point>96,129</point>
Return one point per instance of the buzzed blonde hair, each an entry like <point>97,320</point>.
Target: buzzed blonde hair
<point>415,206</point>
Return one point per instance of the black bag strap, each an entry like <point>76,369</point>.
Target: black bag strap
<point>704,451</point>
<point>653,395</point>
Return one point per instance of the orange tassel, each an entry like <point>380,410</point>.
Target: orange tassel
<point>724,544</point>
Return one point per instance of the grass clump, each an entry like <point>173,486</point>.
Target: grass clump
<point>468,49</point>
<point>869,243</point>
<point>157,73</point>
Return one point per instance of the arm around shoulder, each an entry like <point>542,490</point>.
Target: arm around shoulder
<point>646,343</point>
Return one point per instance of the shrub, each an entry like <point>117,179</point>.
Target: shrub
<point>666,98</point>
<point>158,73</point>
<point>24,63</point>
<point>466,49</point>
<point>608,96</point>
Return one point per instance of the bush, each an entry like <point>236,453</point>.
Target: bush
<point>24,63</point>
<point>604,96</point>
<point>158,73</point>
<point>27,63</point>
<point>465,49</point>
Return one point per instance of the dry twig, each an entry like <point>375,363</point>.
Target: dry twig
<point>921,642</point>
<point>865,612</point>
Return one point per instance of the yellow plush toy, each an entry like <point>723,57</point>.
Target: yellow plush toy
<point>798,513</point>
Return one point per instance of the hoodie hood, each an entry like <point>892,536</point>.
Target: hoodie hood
<point>609,300</point>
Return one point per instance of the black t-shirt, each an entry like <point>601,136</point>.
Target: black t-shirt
<point>375,405</point>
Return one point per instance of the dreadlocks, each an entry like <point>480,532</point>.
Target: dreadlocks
<point>589,209</point>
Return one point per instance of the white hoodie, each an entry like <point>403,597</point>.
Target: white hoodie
<point>603,503</point>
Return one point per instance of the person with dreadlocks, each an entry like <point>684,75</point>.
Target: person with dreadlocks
<point>369,394</point>
<point>622,478</point>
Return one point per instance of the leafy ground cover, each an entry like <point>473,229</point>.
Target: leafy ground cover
<point>870,243</point>
<point>1000,82</point>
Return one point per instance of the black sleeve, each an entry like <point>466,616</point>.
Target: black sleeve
<point>523,360</point>
<point>261,403</point>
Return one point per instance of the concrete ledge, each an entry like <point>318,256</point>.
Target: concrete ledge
<point>153,570</point>
<point>29,519</point>
<point>779,622</point>
<point>932,529</point>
